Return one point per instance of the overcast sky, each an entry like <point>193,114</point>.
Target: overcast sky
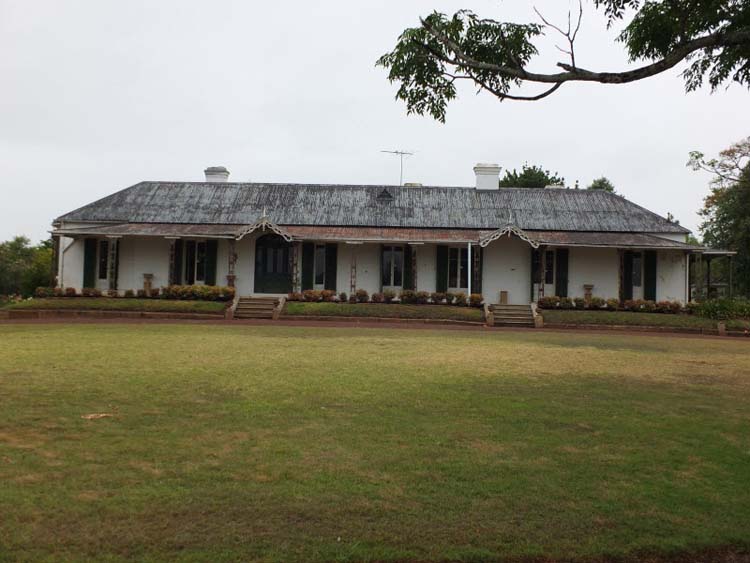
<point>97,95</point>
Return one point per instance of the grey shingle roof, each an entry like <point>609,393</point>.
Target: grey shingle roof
<point>343,205</point>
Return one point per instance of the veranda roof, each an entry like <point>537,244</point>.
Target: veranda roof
<point>382,234</point>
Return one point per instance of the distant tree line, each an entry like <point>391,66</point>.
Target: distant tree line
<point>24,267</point>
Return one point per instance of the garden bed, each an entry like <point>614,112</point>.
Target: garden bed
<point>118,304</point>
<point>625,318</point>
<point>384,311</point>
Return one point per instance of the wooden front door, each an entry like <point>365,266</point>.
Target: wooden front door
<point>273,267</point>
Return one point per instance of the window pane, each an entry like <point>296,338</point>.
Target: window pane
<point>637,270</point>
<point>398,266</point>
<point>386,265</point>
<point>453,267</point>
<point>103,258</point>
<point>320,264</point>
<point>549,267</point>
<point>464,253</point>
<point>200,261</point>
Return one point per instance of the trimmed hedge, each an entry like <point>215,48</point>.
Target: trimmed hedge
<point>175,292</point>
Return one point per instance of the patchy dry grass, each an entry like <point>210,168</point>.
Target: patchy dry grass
<point>284,443</point>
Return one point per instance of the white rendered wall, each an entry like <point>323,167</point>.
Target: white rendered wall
<point>244,269</point>
<point>140,256</point>
<point>507,267</point>
<point>343,267</point>
<point>70,273</point>
<point>427,266</point>
<point>599,267</point>
<point>368,267</point>
<point>670,275</point>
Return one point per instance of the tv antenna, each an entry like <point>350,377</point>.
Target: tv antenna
<point>401,155</point>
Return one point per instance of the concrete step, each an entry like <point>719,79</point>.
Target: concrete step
<point>242,305</point>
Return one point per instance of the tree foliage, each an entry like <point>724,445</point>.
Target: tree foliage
<point>713,36</point>
<point>24,267</point>
<point>603,184</point>
<point>531,177</point>
<point>726,209</point>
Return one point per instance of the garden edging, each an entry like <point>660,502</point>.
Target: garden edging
<point>398,320</point>
<point>99,314</point>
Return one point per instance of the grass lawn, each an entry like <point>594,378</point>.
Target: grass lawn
<point>636,319</point>
<point>315,444</point>
<point>120,304</point>
<point>385,310</point>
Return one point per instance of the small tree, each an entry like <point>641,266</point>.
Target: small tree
<point>603,184</point>
<point>530,177</point>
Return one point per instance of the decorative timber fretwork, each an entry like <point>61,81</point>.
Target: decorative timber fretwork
<point>264,224</point>
<point>231,263</point>
<point>508,230</point>
<point>113,265</point>
<point>296,270</point>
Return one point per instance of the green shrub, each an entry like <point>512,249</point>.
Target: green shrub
<point>422,297</point>
<point>362,296</point>
<point>408,297</point>
<point>668,307</point>
<point>312,295</point>
<point>388,296</point>
<point>91,292</point>
<point>548,302</point>
<point>42,292</point>
<point>460,299</point>
<point>342,297</point>
<point>327,295</point>
<point>437,297</point>
<point>294,296</point>
<point>129,293</point>
<point>70,292</point>
<point>112,293</point>
<point>193,293</point>
<point>613,304</point>
<point>475,299</point>
<point>721,309</point>
<point>579,302</point>
<point>353,299</point>
<point>378,297</point>
<point>566,303</point>
<point>597,303</point>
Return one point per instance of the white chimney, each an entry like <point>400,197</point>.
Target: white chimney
<point>488,176</point>
<point>216,174</point>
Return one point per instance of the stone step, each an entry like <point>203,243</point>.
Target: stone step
<point>242,305</point>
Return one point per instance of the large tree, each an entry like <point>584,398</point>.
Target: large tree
<point>604,184</point>
<point>24,267</point>
<point>726,210</point>
<point>713,36</point>
<point>531,177</point>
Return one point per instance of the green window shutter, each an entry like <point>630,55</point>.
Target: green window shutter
<point>536,273</point>
<point>89,262</point>
<point>441,265</point>
<point>212,248</point>
<point>116,274</point>
<point>627,274</point>
<point>408,267</point>
<point>561,274</point>
<point>649,275</point>
<point>331,262</point>
<point>175,277</point>
<point>477,266</point>
<point>190,262</point>
<point>308,265</point>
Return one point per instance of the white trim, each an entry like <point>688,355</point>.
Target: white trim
<point>262,224</point>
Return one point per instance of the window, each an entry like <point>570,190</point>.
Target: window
<point>393,266</point>
<point>320,266</point>
<point>637,269</point>
<point>549,267</point>
<point>195,261</point>
<point>103,259</point>
<point>458,268</point>
<point>200,261</point>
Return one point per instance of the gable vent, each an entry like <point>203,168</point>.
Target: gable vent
<point>385,195</point>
